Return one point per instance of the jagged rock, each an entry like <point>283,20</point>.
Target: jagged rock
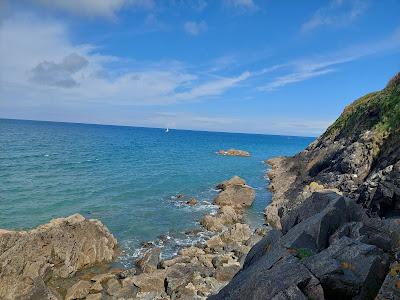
<point>235,193</point>
<point>390,289</point>
<point>381,191</point>
<point>79,290</point>
<point>349,269</point>
<point>373,233</point>
<point>150,260</point>
<point>262,282</point>
<point>59,248</point>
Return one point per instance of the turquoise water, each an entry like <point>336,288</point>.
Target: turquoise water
<point>126,176</point>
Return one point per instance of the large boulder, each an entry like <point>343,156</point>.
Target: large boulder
<point>263,281</point>
<point>57,249</point>
<point>235,193</point>
<point>349,269</point>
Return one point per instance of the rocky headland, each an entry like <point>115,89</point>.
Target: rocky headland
<point>335,213</point>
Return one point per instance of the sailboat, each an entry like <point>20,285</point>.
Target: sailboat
<point>167,130</point>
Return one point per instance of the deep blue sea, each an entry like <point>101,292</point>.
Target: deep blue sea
<point>127,177</point>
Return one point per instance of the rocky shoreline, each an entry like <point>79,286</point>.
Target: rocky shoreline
<point>70,246</point>
<point>335,212</point>
<point>336,231</point>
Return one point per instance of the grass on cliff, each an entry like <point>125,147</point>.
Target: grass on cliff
<point>378,112</point>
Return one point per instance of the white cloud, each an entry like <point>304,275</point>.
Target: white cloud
<point>94,8</point>
<point>56,69</point>
<point>195,28</point>
<point>337,13</point>
<point>304,69</point>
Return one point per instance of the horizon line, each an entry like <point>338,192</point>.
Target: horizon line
<point>171,128</point>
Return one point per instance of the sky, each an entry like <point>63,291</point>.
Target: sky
<point>256,66</point>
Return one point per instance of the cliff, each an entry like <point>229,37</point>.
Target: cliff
<point>336,213</point>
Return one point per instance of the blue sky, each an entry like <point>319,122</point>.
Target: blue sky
<point>280,67</point>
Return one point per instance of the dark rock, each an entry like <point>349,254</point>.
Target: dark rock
<point>390,289</point>
<point>261,281</point>
<point>314,232</point>
<point>349,269</point>
<point>311,206</point>
<point>262,247</point>
<point>373,233</point>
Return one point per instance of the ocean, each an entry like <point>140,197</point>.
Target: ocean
<point>128,177</point>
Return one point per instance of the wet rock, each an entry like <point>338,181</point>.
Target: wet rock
<point>149,261</point>
<point>192,202</point>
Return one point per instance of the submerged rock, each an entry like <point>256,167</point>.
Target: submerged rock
<point>192,202</point>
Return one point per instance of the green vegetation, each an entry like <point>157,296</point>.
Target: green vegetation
<point>378,112</point>
<point>304,253</point>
